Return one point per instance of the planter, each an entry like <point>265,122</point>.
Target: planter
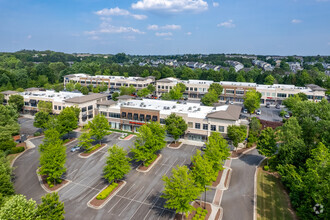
<point>55,188</point>
<point>144,169</point>
<point>174,145</point>
<point>86,155</point>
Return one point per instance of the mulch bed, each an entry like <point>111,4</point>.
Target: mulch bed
<point>70,140</point>
<point>239,152</point>
<point>192,214</point>
<point>215,183</point>
<point>227,178</point>
<point>128,137</point>
<point>84,154</point>
<point>55,187</point>
<point>173,144</point>
<point>218,214</point>
<point>143,168</point>
<point>96,202</point>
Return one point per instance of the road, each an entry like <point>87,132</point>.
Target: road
<point>237,202</point>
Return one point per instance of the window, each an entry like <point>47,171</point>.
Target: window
<point>84,118</point>
<point>123,115</point>
<point>158,87</point>
<point>197,125</point>
<point>162,87</point>
<point>240,92</point>
<point>221,129</point>
<point>59,107</point>
<point>139,85</point>
<point>191,88</point>
<point>166,87</point>
<point>205,127</point>
<point>273,94</point>
<point>141,117</point>
<point>162,121</point>
<point>154,118</point>
<point>90,116</point>
<point>118,84</point>
<point>90,107</point>
<point>187,88</point>
<point>190,124</point>
<point>309,97</point>
<point>129,115</point>
<point>319,97</point>
<point>170,87</point>
<point>135,117</point>
<point>94,82</point>
<point>268,94</point>
<point>291,95</point>
<point>195,89</point>
<point>213,128</point>
<point>148,117</point>
<point>104,113</point>
<point>263,94</point>
<point>55,107</point>
<point>112,84</point>
<point>231,91</point>
<point>114,115</point>
<point>26,103</point>
<point>83,109</point>
<point>281,95</point>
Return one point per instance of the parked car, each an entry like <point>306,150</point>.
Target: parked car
<point>258,112</point>
<point>203,148</point>
<point>287,116</point>
<point>245,111</point>
<point>75,148</point>
<point>231,102</point>
<point>268,105</point>
<point>278,106</point>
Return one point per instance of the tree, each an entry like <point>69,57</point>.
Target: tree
<point>302,96</point>
<point>77,86</point>
<point>124,90</point>
<point>51,207</point>
<point>41,120</point>
<point>252,100</point>
<point>217,150</point>
<point>2,97</point>
<point>150,139</point>
<point>18,207</point>
<point>255,126</point>
<point>52,137</point>
<point>114,96</point>
<point>69,86</point>
<point>85,140</point>
<point>269,80</point>
<point>143,92</point>
<point>175,125</point>
<point>237,134</point>
<point>46,107</point>
<point>216,87</point>
<point>182,87</point>
<point>99,127</point>
<point>67,120</point>
<point>84,90</point>
<point>151,88</point>
<point>210,98</point>
<point>266,144</point>
<point>284,66</point>
<point>175,93</point>
<point>291,101</point>
<point>179,190</point>
<point>17,101</point>
<point>6,185</point>
<point>117,164</point>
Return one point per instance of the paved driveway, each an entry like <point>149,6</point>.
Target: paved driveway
<point>27,127</point>
<point>237,201</point>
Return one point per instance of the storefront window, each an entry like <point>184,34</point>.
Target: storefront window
<point>213,128</point>
<point>190,124</point>
<point>221,129</point>
<point>197,125</point>
<point>205,127</point>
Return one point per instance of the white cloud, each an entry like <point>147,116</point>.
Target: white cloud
<point>165,27</point>
<point>171,6</point>
<point>227,24</point>
<point>108,28</point>
<point>119,12</point>
<point>188,33</point>
<point>296,21</point>
<point>163,34</point>
<point>215,4</point>
<point>29,36</point>
<point>94,38</point>
<point>131,37</point>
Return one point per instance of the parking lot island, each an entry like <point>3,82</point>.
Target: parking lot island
<point>145,169</point>
<point>88,154</point>
<point>47,188</point>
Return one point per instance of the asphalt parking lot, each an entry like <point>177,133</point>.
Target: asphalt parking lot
<point>27,127</point>
<point>138,199</point>
<point>268,114</point>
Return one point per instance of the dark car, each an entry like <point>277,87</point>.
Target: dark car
<point>278,106</point>
<point>245,111</point>
<point>268,105</point>
<point>203,148</point>
<point>75,148</point>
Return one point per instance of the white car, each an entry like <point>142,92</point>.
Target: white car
<point>258,112</point>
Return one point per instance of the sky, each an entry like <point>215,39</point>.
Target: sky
<point>164,27</point>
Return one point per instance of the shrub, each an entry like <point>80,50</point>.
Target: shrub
<point>16,150</point>
<point>7,145</point>
<point>199,210</point>
<point>282,113</point>
<point>93,148</point>
<point>104,194</point>
<point>36,133</point>
<point>66,141</point>
<point>266,168</point>
<point>152,159</point>
<point>205,211</point>
<point>50,185</point>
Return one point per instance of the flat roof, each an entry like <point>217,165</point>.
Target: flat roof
<point>50,94</point>
<point>227,83</point>
<point>107,102</point>
<point>9,92</point>
<point>86,98</point>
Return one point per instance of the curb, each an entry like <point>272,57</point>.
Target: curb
<point>108,199</point>
<point>229,178</point>
<point>255,191</point>
<point>84,157</point>
<point>29,145</point>
<point>36,137</point>
<point>245,152</point>
<point>149,168</point>
<point>175,148</point>
<point>221,213</point>
<point>47,190</point>
<point>71,141</point>
<point>133,135</point>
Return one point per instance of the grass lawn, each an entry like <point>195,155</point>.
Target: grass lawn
<point>272,200</point>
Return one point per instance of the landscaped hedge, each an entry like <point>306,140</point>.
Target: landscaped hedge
<point>93,148</point>
<point>16,150</point>
<point>36,133</point>
<point>104,194</point>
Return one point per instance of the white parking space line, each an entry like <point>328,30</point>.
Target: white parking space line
<point>183,162</point>
<point>72,172</point>
<point>153,205</point>
<point>131,201</point>
<point>143,202</point>
<point>121,198</point>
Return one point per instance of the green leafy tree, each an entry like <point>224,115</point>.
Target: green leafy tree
<point>210,98</point>
<point>18,207</point>
<point>69,86</point>
<point>284,66</point>
<point>103,87</point>
<point>143,92</point>
<point>237,134</point>
<point>41,120</point>
<point>85,140</point>
<point>302,96</point>
<point>67,120</point>
<point>117,164</point>
<point>291,101</point>
<point>124,90</point>
<point>151,88</point>
<point>46,107</point>
<point>255,126</point>
<point>180,190</point>
<point>2,97</point>
<point>175,93</point>
<point>99,127</point>
<point>51,207</point>
<point>84,90</point>
<point>252,100</point>
<point>217,150</point>
<point>17,101</point>
<point>77,86</point>
<point>175,125</point>
<point>269,80</point>
<point>166,96</point>
<point>150,139</point>
<point>6,185</point>
<point>266,144</point>
<point>52,137</point>
<point>115,96</point>
<point>216,87</point>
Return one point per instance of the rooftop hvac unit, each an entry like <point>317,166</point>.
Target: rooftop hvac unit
<point>190,108</point>
<point>198,109</point>
<point>174,106</point>
<point>144,106</point>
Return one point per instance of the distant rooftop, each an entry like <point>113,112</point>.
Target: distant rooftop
<point>245,84</point>
<point>50,94</point>
<point>86,98</point>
